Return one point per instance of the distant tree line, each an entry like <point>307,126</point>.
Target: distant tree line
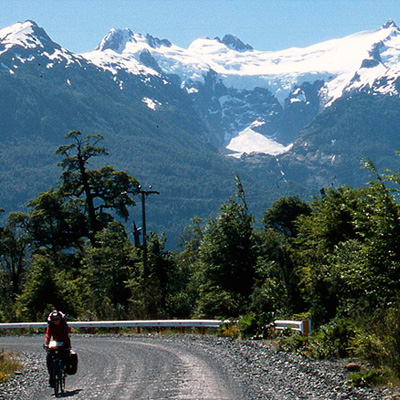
<point>334,259</point>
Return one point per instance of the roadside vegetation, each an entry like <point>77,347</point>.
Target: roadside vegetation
<point>8,366</point>
<point>334,259</point>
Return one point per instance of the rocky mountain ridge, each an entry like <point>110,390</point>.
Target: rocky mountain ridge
<point>294,120</point>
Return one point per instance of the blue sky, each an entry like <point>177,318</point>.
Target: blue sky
<point>79,25</point>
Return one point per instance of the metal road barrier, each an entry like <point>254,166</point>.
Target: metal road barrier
<point>175,323</point>
<point>304,327</point>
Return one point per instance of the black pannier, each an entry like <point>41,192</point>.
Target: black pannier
<point>72,363</point>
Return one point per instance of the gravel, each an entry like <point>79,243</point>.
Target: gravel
<point>260,371</point>
<point>267,374</point>
<point>26,381</point>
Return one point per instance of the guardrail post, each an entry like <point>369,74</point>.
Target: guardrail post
<point>182,329</point>
<point>116,329</point>
<point>203,330</point>
<point>138,329</point>
<point>306,327</point>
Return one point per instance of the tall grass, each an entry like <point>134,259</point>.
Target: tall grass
<point>8,365</point>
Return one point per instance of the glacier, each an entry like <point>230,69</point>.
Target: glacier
<point>368,60</point>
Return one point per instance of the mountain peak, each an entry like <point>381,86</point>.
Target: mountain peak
<point>26,34</point>
<point>234,43</point>
<point>390,24</point>
<point>116,39</point>
<point>155,42</point>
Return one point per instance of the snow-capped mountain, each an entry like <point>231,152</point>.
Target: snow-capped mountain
<point>233,85</point>
<point>186,118</point>
<point>23,42</point>
<point>336,62</point>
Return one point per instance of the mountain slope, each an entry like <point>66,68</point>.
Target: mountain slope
<point>296,120</point>
<point>233,85</point>
<point>331,150</point>
<point>149,125</point>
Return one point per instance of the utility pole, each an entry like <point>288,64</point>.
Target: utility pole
<point>136,235</point>
<point>145,193</point>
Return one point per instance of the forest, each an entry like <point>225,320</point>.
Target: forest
<point>334,259</point>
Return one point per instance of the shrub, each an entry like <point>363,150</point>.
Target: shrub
<point>379,341</point>
<point>331,341</point>
<point>368,378</point>
<point>256,326</point>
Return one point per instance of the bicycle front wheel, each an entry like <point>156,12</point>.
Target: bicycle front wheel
<point>57,374</point>
<point>62,378</point>
<point>56,384</point>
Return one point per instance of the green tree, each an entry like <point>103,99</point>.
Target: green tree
<point>378,223</point>
<point>76,175</point>
<point>277,279</point>
<point>85,205</point>
<point>277,287</point>
<point>349,251</point>
<point>13,257</point>
<point>47,288</point>
<point>108,268</point>
<point>40,292</point>
<point>188,267</point>
<point>282,215</point>
<point>330,224</point>
<point>53,222</point>
<point>227,257</point>
<point>164,292</point>
<point>99,190</point>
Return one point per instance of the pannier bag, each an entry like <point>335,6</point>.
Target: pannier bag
<point>72,363</point>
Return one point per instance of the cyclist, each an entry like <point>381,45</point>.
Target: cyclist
<point>57,328</point>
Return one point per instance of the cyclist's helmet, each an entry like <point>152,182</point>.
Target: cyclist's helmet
<point>54,315</point>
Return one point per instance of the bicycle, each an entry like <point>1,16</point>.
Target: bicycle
<point>57,351</point>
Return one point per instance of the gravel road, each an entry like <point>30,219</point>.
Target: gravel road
<point>186,367</point>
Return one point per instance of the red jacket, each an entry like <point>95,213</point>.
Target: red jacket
<point>58,332</point>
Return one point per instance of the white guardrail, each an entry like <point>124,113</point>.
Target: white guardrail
<point>304,327</point>
<point>175,323</point>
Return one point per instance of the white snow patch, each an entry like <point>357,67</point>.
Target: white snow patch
<point>249,141</point>
<point>192,90</point>
<point>111,61</point>
<point>151,103</point>
<point>257,123</point>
